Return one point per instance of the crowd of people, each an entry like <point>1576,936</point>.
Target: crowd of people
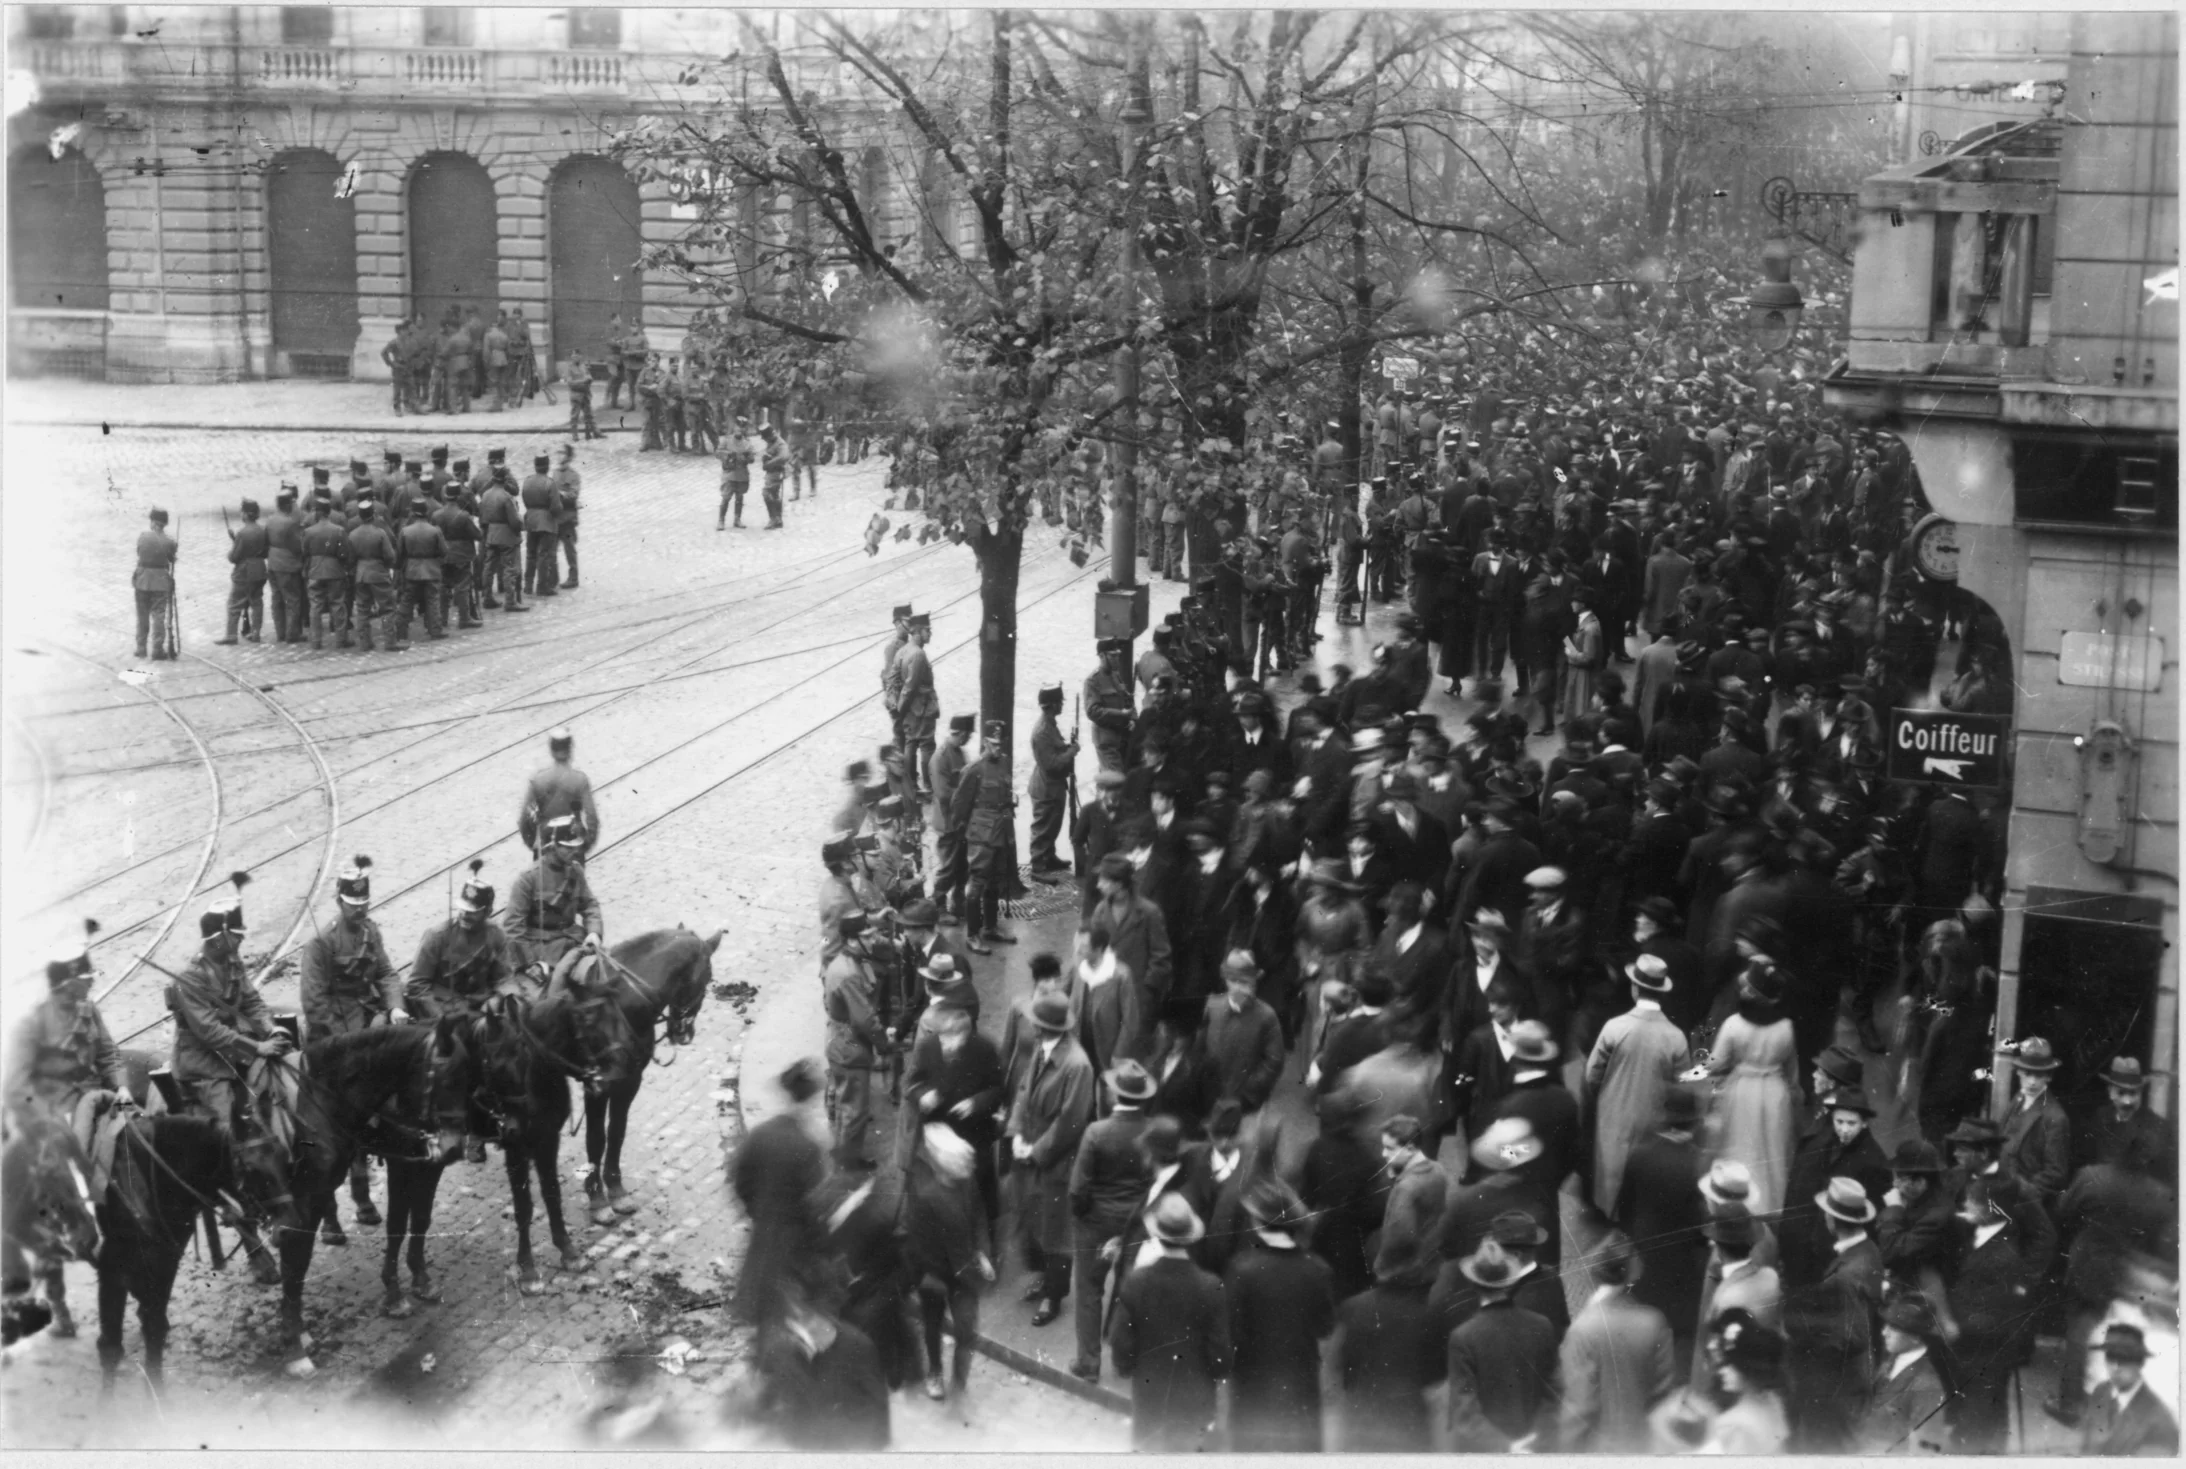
<point>1626,1016</point>
<point>422,539</point>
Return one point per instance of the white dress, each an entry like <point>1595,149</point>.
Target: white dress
<point>1756,1068</point>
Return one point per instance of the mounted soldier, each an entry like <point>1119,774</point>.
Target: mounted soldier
<point>59,1055</point>
<point>460,965</point>
<point>560,789</point>
<point>552,918</point>
<point>222,1029</point>
<point>347,984</point>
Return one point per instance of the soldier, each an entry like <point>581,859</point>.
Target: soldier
<point>671,406</point>
<point>577,377</point>
<point>456,367</point>
<point>423,358</point>
<point>648,396</point>
<point>943,774</point>
<point>524,359</point>
<point>373,553</point>
<point>459,553</point>
<point>285,566</point>
<point>499,377</point>
<point>423,551</point>
<point>698,419</point>
<point>221,1030</point>
<point>984,800</point>
<point>1110,704</point>
<point>347,983</point>
<point>381,484</point>
<point>558,790</point>
<point>395,355</point>
<point>57,1054</point>
<point>1053,775</point>
<point>736,459</point>
<point>407,487</point>
<point>464,962</point>
<point>503,520</point>
<point>568,485</point>
<point>154,583</point>
<point>552,916</point>
<point>803,464</point>
<point>773,464</point>
<point>326,570</point>
<point>891,681</point>
<point>856,1041</point>
<point>247,581</point>
<point>433,480</point>
<point>917,705</point>
<point>542,563</point>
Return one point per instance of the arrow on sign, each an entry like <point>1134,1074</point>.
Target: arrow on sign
<point>1955,769</point>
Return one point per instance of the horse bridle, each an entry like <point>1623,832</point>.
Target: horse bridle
<point>679,1026</point>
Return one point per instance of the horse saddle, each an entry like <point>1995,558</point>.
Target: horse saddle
<point>99,1119</point>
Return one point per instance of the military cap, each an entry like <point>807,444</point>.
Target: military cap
<point>963,723</point>
<point>541,462</point>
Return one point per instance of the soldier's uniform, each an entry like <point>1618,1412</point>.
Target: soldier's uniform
<point>459,540</point>
<point>577,377</point>
<point>918,706</point>
<point>247,550</point>
<point>648,394</point>
<point>154,585</point>
<point>347,982</point>
<point>736,459</point>
<point>671,407</point>
<point>558,790</point>
<point>456,372</point>
<point>462,963</point>
<point>1049,782</point>
<point>985,800</point>
<point>1111,707</point>
<point>890,681</point>
<point>802,465</point>
<point>856,1041</point>
<point>326,564</point>
<point>541,562</point>
<point>773,464</point>
<point>424,550</point>
<point>943,773</point>
<point>285,567</point>
<point>504,522</point>
<point>396,355</point>
<point>373,553</point>
<point>551,908</point>
<point>219,1018</point>
<point>406,488</point>
<point>497,367</point>
<point>568,488</point>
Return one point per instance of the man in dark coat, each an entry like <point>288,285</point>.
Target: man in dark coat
<point>1842,1147</point>
<point>1660,1206</point>
<point>1049,1112</point>
<point>2108,1131</point>
<point>1107,1188</point>
<point>823,1384</point>
<point>1171,1337</point>
<point>777,1169</point>
<point>1281,1302</point>
<point>1389,1350</point>
<point>1539,1096</point>
<point>1244,1040</point>
<point>1345,1187</point>
<point>2127,1419</point>
<point>1502,1367</point>
<point>955,1078</point>
<point>1990,1300</point>
<point>2112,1212</point>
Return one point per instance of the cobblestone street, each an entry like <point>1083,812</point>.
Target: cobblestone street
<point>716,683</point>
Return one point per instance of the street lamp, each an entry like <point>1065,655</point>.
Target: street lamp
<point>1772,311</point>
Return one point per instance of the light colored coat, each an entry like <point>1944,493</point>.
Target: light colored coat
<point>1616,1363</point>
<point>1635,1063</point>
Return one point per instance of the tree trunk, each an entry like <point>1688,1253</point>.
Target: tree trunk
<point>1001,560</point>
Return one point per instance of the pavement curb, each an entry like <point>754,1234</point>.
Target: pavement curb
<point>1039,1371</point>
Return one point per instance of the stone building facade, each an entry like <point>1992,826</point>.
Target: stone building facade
<point>214,193</point>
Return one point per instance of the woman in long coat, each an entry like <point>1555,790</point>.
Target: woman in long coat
<point>1583,657</point>
<point>1755,1067</point>
<point>1282,1303</point>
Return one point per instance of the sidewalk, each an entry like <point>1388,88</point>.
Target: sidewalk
<point>281,405</point>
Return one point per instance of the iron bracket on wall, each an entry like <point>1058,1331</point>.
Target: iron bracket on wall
<point>1824,220</point>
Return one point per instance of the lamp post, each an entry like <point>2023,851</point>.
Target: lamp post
<point>1773,309</point>
<point>1123,535</point>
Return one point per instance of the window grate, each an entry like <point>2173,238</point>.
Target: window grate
<point>332,366</point>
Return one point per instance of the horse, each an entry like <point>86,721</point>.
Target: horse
<point>659,981</point>
<point>516,1059</point>
<point>381,1090</point>
<point>168,1170</point>
<point>46,1213</point>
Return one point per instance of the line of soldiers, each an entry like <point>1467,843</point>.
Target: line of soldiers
<point>409,541</point>
<point>467,357</point>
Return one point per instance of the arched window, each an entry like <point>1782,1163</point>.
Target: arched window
<point>594,242</point>
<point>312,236</point>
<point>56,232</point>
<point>455,246</point>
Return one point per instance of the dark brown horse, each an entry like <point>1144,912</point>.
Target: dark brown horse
<point>168,1172</point>
<point>660,981</point>
<point>383,1091</point>
<point>515,1060</point>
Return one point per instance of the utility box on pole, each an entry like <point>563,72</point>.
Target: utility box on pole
<point>1120,612</point>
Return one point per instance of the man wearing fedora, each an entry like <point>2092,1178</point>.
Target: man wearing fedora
<point>2126,1418</point>
<point>1976,1145</point>
<point>1842,1147</point>
<point>1502,1366</point>
<point>1170,1336</point>
<point>1616,1362</point>
<point>1518,1236</point>
<point>1636,1061</point>
<point>1108,1184</point>
<point>1049,1113</point>
<point>1500,1186</point>
<point>955,1078</point>
<point>1539,1095</point>
<point>1390,1348</point>
<point>1281,1302</point>
<point>2037,1134</point>
<point>1830,1324</point>
<point>1991,1308</point>
<point>2109,1130</point>
<point>1906,1399</point>
<point>2112,1214</point>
